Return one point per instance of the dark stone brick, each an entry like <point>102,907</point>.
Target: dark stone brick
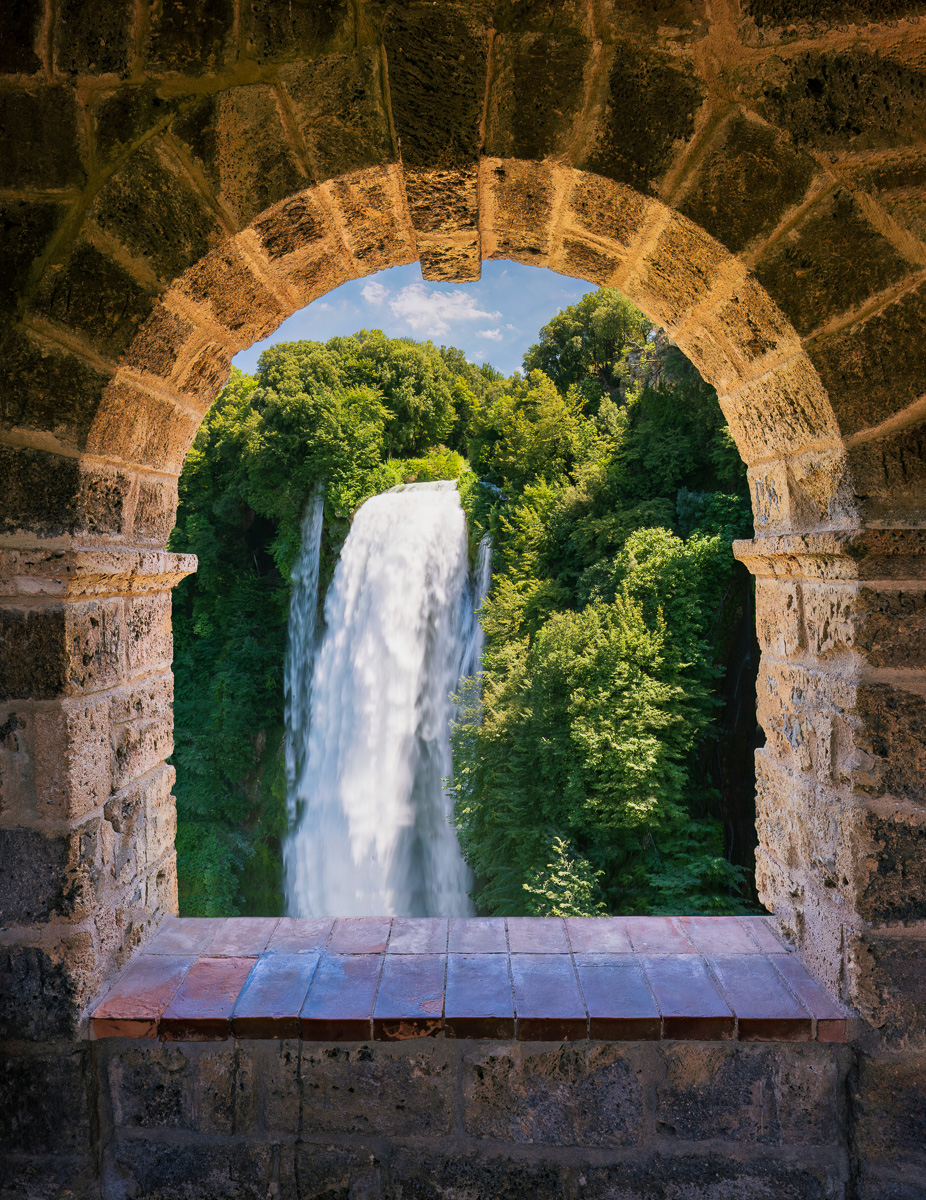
<point>834,260</point>
<point>196,127</point>
<point>651,105</point>
<point>40,491</point>
<point>38,139</point>
<point>96,297</point>
<point>179,1171</point>
<point>892,731</point>
<point>437,70</point>
<point>889,1095</point>
<point>26,227</point>
<point>48,389</point>
<point>785,13</point>
<point>22,23</point>
<point>423,1175</point>
<point>38,996</point>
<point>44,1101</point>
<point>853,100</point>
<point>890,985</point>
<point>104,496</point>
<point>337,1173</point>
<point>50,1177</point>
<point>150,1088</point>
<point>130,114</point>
<point>190,37</point>
<point>538,88</point>
<point>93,38</point>
<point>291,226</point>
<point>36,883</point>
<point>574,1095</point>
<point>710,1177</point>
<point>302,27</point>
<point>32,653</point>
<point>896,890</point>
<point>177,229</point>
<point>746,183</point>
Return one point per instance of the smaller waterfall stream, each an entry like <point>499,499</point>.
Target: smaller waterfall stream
<point>371,832</point>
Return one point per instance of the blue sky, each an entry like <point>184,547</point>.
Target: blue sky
<point>493,321</point>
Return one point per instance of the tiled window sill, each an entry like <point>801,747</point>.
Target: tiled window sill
<point>530,979</point>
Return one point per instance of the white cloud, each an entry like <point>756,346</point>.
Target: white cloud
<point>494,335</point>
<point>375,293</point>
<point>430,313</point>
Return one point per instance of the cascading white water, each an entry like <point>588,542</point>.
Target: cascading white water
<point>372,832</point>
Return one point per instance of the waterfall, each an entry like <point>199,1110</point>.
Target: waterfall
<point>372,832</point>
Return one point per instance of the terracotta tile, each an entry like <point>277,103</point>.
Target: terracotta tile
<point>658,935</point>
<point>359,935</point>
<point>339,1006</point>
<point>691,1006</point>
<point>830,1018</point>
<point>765,936</point>
<point>410,1001</point>
<point>242,937</point>
<point>136,1000</point>
<point>537,935</point>
<point>547,1000</point>
<point>301,935</point>
<point>185,935</point>
<point>418,935</point>
<point>272,999</point>
<point>765,1009</point>
<point>621,1007</point>
<point>598,935</point>
<point>479,1002</point>
<point>478,935</point>
<point>201,1007</point>
<point>718,935</point>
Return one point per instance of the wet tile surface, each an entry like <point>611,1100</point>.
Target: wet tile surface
<point>534,979</point>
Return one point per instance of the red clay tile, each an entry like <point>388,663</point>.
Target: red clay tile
<point>201,1007</point>
<point>479,1003</point>
<point>765,936</point>
<point>301,935</point>
<point>537,935</point>
<point>718,935</point>
<point>478,935</point>
<point>339,1006</point>
<point>621,1007</point>
<point>766,1011</point>
<point>830,1018</point>
<point>598,935</point>
<point>547,1000</point>
<point>242,937</point>
<point>184,935</point>
<point>658,935</point>
<point>692,1008</point>
<point>272,999</point>
<point>410,1001</point>
<point>359,935</point>
<point>136,1000</point>
<point>418,935</point>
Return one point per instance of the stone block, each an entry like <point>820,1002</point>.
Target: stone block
<point>138,427</point>
<point>891,734</point>
<point>178,228</point>
<point>28,226</point>
<point>149,637</point>
<point>522,198</point>
<point>191,37</point>
<point>39,140</point>
<point>163,339</point>
<point>338,102</point>
<point>23,26</point>
<point>889,475</point>
<point>277,1074</point>
<point>40,491</point>
<point>95,644</point>
<point>43,877</point>
<point>293,226</point>
<point>754,328</point>
<point>713,1177</point>
<point>377,1090</point>
<point>141,823</point>
<point>155,511</point>
<point>607,210</point>
<point>224,284</point>
<point>370,208</point>
<point>682,269</point>
<point>17,769</point>
<point>887,984</point>
<point>437,63</point>
<point>72,758</point>
<point>204,377</point>
<point>104,501</point>
<point>832,261</point>
<point>822,491</point>
<point>325,1171</point>
<point>93,40</point>
<point>581,260</point>
<point>42,990</point>
<point>32,652</point>
<point>771,496</point>
<point>885,627</point>
<point>304,27</point>
<point>129,114</point>
<point>96,299</point>
<point>45,1100</point>
<point>49,389</point>
<point>149,1087</point>
<point>193,1170</point>
<point>139,747</point>
<point>779,616</point>
<point>650,108</point>
<point>875,368</point>
<point>889,1094</point>
<point>780,412</point>
<point>585,1094</point>
<point>538,91</point>
<point>418,1173</point>
<point>746,182</point>
<point>787,1095</point>
<point>803,714</point>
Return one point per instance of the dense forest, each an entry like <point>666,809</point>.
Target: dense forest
<point>603,762</point>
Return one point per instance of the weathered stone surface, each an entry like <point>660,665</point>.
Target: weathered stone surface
<point>292,225</point>
<point>711,1177</point>
<point>607,210</point>
<point>91,39</point>
<point>45,1100</point>
<point>37,881</point>
<point>39,146</point>
<point>278,1080</point>
<point>129,114</point>
<point>889,474</point>
<point>522,197</point>
<point>32,649</point>
<point>194,1171</point>
<point>305,26</point>
<point>326,1171</point>
<point>681,271</point>
<point>418,1174</point>
<point>155,511</point>
<point>375,1090</point>
<point>781,411</point>
<point>137,426</point>
<point>26,228</point>
<point>892,734</point>
<point>225,286</point>
<point>890,1092</point>
<point>18,53</point>
<point>104,501</point>
<point>575,1095</point>
<point>17,770</point>
<point>138,747</point>
<point>373,218</point>
<point>72,758</point>
<point>887,985</point>
<point>191,36</point>
<point>39,992</point>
